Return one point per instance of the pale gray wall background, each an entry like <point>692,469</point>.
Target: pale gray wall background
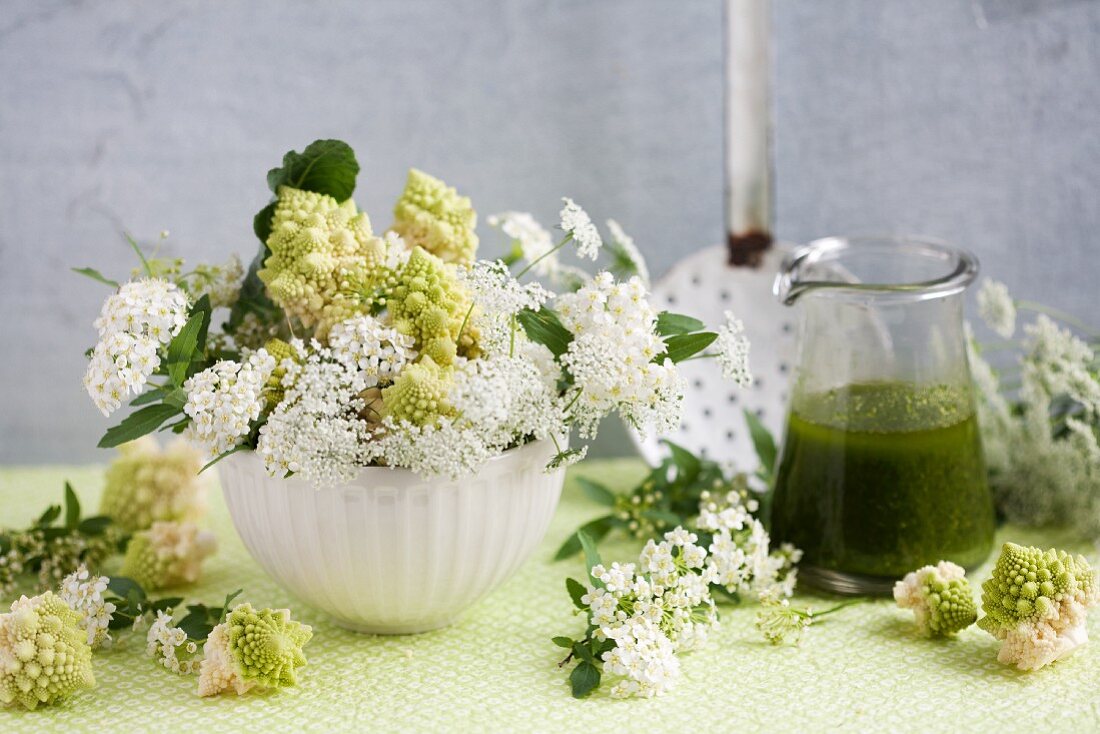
<point>972,121</point>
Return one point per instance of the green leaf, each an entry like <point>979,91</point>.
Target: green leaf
<point>763,441</point>
<point>52,513</point>
<point>261,223</point>
<point>141,255</point>
<point>566,642</point>
<point>72,508</point>
<point>97,276</point>
<point>584,678</point>
<point>681,346</point>
<point>576,590</point>
<point>253,298</point>
<point>591,554</point>
<point>202,306</point>
<point>196,624</point>
<point>581,651</point>
<point>325,166</point>
<point>152,396</point>
<point>669,324</point>
<point>123,587</point>
<point>228,600</point>
<point>597,492</point>
<point>544,327</point>
<point>687,463</point>
<point>94,525</point>
<point>596,529</point>
<point>181,350</point>
<point>163,605</point>
<point>663,516</point>
<point>138,424</point>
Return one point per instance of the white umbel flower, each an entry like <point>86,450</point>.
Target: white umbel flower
<point>576,222</point>
<point>84,594</point>
<point>733,351</point>
<point>224,400</point>
<point>535,243</point>
<point>997,309</point>
<point>378,351</point>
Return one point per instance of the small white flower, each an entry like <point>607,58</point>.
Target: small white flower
<point>84,594</point>
<point>224,400</point>
<point>997,308</point>
<point>378,351</point>
<point>535,243</point>
<point>576,222</point>
<point>733,351</point>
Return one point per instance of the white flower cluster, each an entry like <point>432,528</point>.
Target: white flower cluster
<point>997,309</point>
<point>498,297</point>
<point>535,243</point>
<point>84,594</point>
<point>224,400</point>
<point>498,400</point>
<point>733,351</point>
<point>222,283</point>
<point>611,358</point>
<point>316,430</point>
<point>577,223</point>
<point>740,551</point>
<point>163,642</point>
<point>378,351</point>
<point>133,325</point>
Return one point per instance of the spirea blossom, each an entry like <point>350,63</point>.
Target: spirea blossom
<point>997,309</point>
<point>378,351</point>
<point>576,222</point>
<point>133,325</point>
<point>612,356</point>
<point>535,243</point>
<point>644,657</point>
<point>224,400</point>
<point>733,351</point>
<point>163,642</point>
<point>83,593</point>
<point>316,431</point>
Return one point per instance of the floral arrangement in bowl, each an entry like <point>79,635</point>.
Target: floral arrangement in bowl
<point>347,349</point>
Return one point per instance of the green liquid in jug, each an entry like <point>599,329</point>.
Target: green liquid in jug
<point>878,479</point>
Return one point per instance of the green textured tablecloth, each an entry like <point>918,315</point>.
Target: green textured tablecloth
<point>862,669</point>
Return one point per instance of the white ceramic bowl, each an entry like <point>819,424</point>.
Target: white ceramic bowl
<point>392,553</point>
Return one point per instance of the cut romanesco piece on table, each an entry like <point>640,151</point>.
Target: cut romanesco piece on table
<point>432,215</point>
<point>146,484</point>
<point>167,554</point>
<point>430,304</point>
<point>1036,602</point>
<point>323,256</point>
<point>44,653</point>
<point>940,598</point>
<point>253,648</point>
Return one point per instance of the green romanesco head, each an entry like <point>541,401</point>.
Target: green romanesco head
<point>940,598</point>
<point>419,394</point>
<point>430,304</point>
<point>1029,585</point>
<point>44,653</point>
<point>323,254</point>
<point>431,214</point>
<point>266,645</point>
<point>145,485</point>
<point>281,351</point>
<point>167,554</point>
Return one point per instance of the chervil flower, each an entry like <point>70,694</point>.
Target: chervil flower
<point>496,292</point>
<point>629,258</point>
<point>224,400</point>
<point>378,351</point>
<point>84,594</point>
<point>733,351</point>
<point>577,223</point>
<point>316,431</point>
<point>779,621</point>
<point>611,358</point>
<point>997,308</point>
<point>535,243</point>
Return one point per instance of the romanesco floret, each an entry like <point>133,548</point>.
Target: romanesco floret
<point>940,598</point>
<point>1036,602</point>
<point>432,215</point>
<point>322,254</point>
<point>167,554</point>
<point>281,351</point>
<point>419,395</point>
<point>253,648</point>
<point>145,484</point>
<point>429,304</point>
<point>44,654</point>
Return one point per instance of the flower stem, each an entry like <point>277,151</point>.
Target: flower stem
<point>545,255</point>
<point>462,328</point>
<point>1056,314</point>
<point>836,608</point>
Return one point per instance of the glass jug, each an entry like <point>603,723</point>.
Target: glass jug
<point>881,468</point>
